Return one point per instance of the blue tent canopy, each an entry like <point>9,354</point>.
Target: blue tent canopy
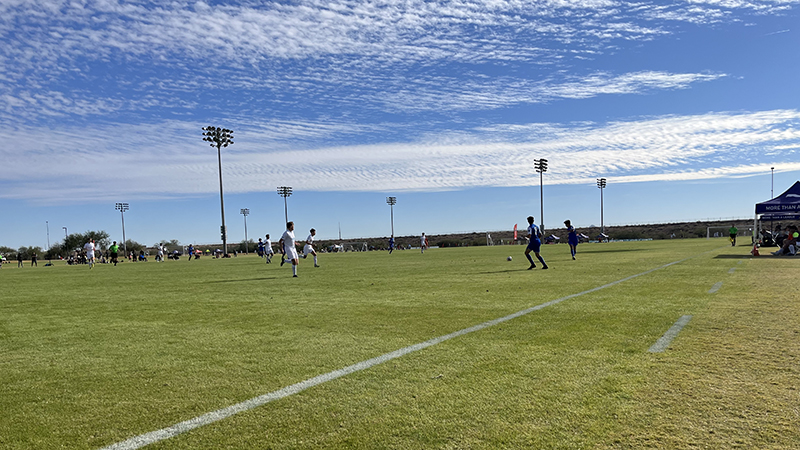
<point>786,203</point>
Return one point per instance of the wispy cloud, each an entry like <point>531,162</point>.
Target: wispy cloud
<point>131,160</point>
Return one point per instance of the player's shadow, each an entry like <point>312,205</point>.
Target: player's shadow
<point>506,271</point>
<point>243,280</point>
<point>733,256</point>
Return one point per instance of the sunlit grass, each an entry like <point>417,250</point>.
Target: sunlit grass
<point>92,357</point>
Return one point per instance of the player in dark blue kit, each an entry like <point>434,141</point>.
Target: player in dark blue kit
<point>573,238</point>
<point>391,244</point>
<point>534,244</point>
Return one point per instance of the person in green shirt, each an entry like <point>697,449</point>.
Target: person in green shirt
<point>114,249</point>
<point>733,231</point>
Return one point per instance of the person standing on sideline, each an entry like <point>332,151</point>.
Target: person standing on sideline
<point>423,243</point>
<point>309,247</point>
<point>573,238</point>
<point>19,260</point>
<point>89,247</point>
<point>190,250</point>
<point>534,244</point>
<point>114,249</point>
<point>288,245</point>
<point>33,260</point>
<point>268,249</point>
<point>391,244</point>
<point>733,231</point>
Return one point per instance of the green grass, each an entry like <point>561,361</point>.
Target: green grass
<point>93,357</point>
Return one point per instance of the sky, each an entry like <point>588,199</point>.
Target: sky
<point>685,107</point>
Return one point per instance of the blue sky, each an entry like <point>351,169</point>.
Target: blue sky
<point>683,106</point>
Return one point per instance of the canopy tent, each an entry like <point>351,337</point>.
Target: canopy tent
<point>783,207</point>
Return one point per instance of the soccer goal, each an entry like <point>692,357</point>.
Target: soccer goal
<point>355,246</point>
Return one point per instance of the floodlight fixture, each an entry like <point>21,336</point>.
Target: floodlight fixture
<point>601,184</point>
<point>285,192</point>
<point>391,201</point>
<point>122,207</point>
<point>772,185</point>
<point>220,137</point>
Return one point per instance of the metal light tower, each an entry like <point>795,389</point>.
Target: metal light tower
<point>220,137</point>
<point>65,234</point>
<point>245,212</point>
<point>541,168</point>
<point>48,234</point>
<point>772,185</point>
<point>601,183</point>
<point>122,207</point>
<point>285,192</point>
<point>392,201</point>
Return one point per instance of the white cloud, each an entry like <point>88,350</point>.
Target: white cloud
<point>169,160</point>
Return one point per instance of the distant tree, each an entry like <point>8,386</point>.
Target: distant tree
<point>27,252</point>
<point>76,241</point>
<point>133,246</point>
<point>248,245</point>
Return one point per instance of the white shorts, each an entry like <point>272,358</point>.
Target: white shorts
<point>307,250</point>
<point>268,251</point>
<point>291,253</point>
<point>90,255</point>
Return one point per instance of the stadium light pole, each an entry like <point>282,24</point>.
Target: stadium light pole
<point>772,185</point>
<point>391,201</point>
<point>541,168</point>
<point>122,207</point>
<point>65,234</point>
<point>220,137</point>
<point>601,183</point>
<point>245,212</point>
<point>285,192</point>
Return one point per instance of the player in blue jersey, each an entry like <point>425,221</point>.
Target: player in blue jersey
<point>391,244</point>
<point>573,238</point>
<point>260,248</point>
<point>534,244</point>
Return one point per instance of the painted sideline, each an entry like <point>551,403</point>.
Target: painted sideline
<point>715,287</point>
<point>663,342</point>
<point>215,416</point>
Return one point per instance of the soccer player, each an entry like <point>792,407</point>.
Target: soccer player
<point>423,243</point>
<point>534,244</point>
<point>160,254</point>
<point>309,247</point>
<point>89,247</point>
<point>288,245</point>
<point>114,249</point>
<point>573,238</point>
<point>260,249</point>
<point>190,250</point>
<point>268,252</point>
<point>391,244</point>
<point>733,231</point>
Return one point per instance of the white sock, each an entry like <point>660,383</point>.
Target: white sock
<point>294,269</point>
<point>315,260</point>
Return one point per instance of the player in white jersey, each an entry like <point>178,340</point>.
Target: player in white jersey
<point>268,249</point>
<point>89,247</point>
<point>288,247</point>
<point>423,243</point>
<point>308,249</point>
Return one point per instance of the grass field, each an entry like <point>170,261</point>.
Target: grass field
<point>89,358</point>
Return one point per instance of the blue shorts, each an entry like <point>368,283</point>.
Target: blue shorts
<point>573,243</point>
<point>534,245</point>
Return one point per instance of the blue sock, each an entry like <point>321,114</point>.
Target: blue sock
<point>541,259</point>
<point>529,258</point>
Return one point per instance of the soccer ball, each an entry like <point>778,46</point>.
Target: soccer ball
<point>508,259</point>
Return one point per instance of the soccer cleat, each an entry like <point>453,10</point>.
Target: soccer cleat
<point>532,266</point>
<point>283,261</point>
<point>294,276</point>
<point>545,267</point>
<point>573,258</point>
<point>316,265</point>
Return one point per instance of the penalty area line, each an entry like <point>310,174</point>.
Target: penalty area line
<point>152,437</point>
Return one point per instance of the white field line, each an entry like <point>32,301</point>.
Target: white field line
<point>215,416</point>
<point>663,342</point>
<point>715,287</point>
<point>733,269</point>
